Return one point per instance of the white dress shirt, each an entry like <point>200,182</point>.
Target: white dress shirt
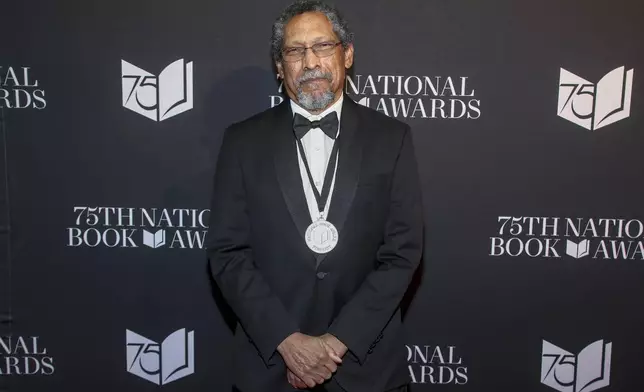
<point>317,147</point>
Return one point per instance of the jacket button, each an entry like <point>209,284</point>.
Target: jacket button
<point>321,275</point>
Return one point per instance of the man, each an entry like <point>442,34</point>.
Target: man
<point>316,225</point>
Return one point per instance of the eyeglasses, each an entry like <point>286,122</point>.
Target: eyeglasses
<point>321,49</point>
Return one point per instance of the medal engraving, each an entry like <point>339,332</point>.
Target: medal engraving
<point>321,236</point>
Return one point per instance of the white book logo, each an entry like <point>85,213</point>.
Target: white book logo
<point>157,98</point>
<point>161,363</point>
<point>154,240</point>
<point>577,250</point>
<point>586,372</point>
<point>595,106</point>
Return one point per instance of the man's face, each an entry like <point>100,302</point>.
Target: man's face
<point>314,82</point>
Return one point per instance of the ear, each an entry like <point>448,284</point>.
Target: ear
<point>348,56</point>
<point>280,70</point>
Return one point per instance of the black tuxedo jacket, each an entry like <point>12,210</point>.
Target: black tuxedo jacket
<point>276,285</point>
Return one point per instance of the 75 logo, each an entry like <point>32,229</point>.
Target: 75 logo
<point>593,106</point>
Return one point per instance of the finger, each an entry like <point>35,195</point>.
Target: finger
<point>331,366</point>
<point>301,384</point>
<point>331,361</point>
<point>325,367</point>
<point>336,358</point>
<point>332,353</point>
<point>296,381</point>
<point>319,374</point>
<point>310,382</point>
<point>323,374</point>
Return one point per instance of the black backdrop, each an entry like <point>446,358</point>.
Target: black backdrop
<point>533,221</point>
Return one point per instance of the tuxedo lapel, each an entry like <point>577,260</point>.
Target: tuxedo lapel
<point>287,168</point>
<point>348,171</point>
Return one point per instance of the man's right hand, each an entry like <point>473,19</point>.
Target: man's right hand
<point>309,358</point>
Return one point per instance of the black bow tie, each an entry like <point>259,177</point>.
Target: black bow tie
<point>328,124</point>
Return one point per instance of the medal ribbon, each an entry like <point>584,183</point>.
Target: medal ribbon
<point>322,198</point>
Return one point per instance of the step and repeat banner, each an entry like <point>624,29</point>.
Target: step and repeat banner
<point>528,127</point>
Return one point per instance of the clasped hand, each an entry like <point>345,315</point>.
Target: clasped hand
<point>311,360</point>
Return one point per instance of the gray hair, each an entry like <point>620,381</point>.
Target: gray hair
<point>340,25</point>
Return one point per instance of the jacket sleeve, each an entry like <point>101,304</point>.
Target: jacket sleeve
<point>366,314</point>
<point>261,313</point>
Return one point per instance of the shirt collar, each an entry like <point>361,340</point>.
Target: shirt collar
<point>336,107</point>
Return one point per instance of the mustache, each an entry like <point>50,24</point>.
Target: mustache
<point>314,74</point>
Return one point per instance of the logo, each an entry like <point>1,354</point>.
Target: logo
<point>20,90</point>
<point>585,372</point>
<point>24,356</point>
<point>161,363</point>
<point>435,365</point>
<point>422,97</point>
<point>577,250</point>
<point>128,227</point>
<point>594,106</point>
<point>155,240</point>
<point>556,237</point>
<point>157,98</point>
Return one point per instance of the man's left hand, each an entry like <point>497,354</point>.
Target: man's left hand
<point>335,343</point>
<point>330,340</point>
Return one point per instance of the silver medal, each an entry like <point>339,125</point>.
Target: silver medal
<point>321,236</point>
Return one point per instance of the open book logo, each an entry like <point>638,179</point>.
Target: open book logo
<point>157,98</point>
<point>595,106</point>
<point>161,363</point>
<point>154,240</point>
<point>585,372</point>
<point>577,250</point>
